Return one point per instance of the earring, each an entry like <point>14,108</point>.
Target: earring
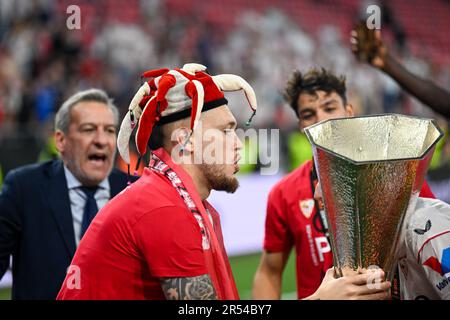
<point>183,146</point>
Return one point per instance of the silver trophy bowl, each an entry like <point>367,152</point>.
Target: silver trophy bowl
<point>371,170</point>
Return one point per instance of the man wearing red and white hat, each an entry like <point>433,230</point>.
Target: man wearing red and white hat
<point>160,238</point>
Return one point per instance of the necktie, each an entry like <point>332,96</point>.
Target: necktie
<point>90,208</point>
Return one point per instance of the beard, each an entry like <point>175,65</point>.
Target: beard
<point>217,179</point>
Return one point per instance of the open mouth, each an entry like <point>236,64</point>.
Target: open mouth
<point>97,157</point>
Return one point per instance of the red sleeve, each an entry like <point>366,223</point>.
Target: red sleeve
<point>278,237</point>
<point>426,192</point>
<point>171,242</point>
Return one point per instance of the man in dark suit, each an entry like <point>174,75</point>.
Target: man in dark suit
<point>46,208</point>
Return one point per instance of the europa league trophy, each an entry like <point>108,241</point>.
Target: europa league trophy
<point>371,170</point>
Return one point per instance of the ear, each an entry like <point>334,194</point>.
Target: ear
<point>60,141</point>
<point>349,110</point>
<point>181,139</point>
<point>318,193</point>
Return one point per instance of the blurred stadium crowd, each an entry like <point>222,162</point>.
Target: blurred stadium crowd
<point>42,62</point>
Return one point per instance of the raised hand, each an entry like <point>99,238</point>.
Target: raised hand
<point>367,46</point>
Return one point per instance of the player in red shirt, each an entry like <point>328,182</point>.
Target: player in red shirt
<point>292,217</point>
<point>160,238</point>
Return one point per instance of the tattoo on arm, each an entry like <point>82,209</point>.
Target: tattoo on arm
<point>191,288</point>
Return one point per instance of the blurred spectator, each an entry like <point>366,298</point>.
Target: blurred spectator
<point>42,62</point>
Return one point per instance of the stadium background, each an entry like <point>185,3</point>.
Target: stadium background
<point>42,62</point>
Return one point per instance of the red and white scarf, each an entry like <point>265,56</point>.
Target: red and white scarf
<point>216,258</point>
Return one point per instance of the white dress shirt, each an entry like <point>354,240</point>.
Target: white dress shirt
<point>78,200</point>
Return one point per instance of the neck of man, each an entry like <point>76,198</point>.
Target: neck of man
<point>193,170</point>
<point>84,182</point>
<point>198,178</point>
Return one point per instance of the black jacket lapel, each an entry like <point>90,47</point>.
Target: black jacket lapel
<point>58,199</point>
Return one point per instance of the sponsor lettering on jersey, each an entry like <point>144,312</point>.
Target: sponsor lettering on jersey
<point>311,245</point>
<point>441,267</point>
<point>443,284</point>
<point>323,246</point>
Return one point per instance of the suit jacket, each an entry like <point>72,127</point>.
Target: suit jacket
<point>36,227</point>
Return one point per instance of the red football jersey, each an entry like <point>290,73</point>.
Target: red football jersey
<point>144,233</point>
<point>292,220</point>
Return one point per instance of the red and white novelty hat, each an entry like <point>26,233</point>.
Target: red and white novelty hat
<point>176,94</point>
